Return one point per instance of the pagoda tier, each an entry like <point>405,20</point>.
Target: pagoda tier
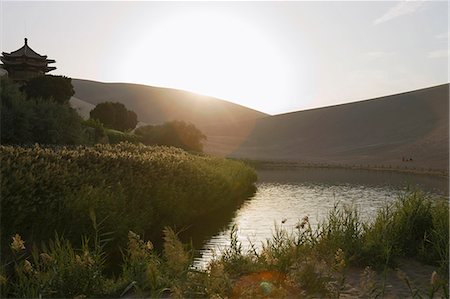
<point>25,63</point>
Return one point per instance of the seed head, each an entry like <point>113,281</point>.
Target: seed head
<point>434,279</point>
<point>47,259</point>
<point>27,267</point>
<point>3,280</point>
<point>340,259</point>
<point>17,244</point>
<point>149,246</point>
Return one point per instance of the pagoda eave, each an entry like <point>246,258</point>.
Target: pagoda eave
<point>24,63</point>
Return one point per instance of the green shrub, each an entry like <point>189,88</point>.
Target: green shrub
<point>56,88</point>
<point>174,133</point>
<point>28,121</point>
<point>114,116</point>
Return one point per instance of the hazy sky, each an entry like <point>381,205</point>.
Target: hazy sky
<point>271,56</point>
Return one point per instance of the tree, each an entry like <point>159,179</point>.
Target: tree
<point>174,133</point>
<point>58,88</point>
<point>114,116</point>
<point>28,120</point>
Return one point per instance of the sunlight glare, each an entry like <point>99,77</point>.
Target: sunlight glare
<point>213,54</point>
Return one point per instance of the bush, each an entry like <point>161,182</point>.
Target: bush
<point>175,133</point>
<point>48,87</point>
<point>28,121</point>
<point>114,116</point>
<point>16,114</point>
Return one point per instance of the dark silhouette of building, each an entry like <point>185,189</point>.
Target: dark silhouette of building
<point>25,63</point>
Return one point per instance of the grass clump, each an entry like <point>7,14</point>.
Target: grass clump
<point>411,227</point>
<point>342,230</point>
<point>141,266</point>
<point>55,270</point>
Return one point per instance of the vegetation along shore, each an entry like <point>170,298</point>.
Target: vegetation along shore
<point>302,263</point>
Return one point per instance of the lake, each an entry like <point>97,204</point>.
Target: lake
<point>284,197</point>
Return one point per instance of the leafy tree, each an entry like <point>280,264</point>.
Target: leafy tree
<point>114,116</point>
<point>131,120</point>
<point>58,88</point>
<point>174,133</point>
<point>26,120</point>
<point>15,114</point>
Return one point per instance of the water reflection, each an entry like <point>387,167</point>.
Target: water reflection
<point>288,195</point>
<point>335,176</point>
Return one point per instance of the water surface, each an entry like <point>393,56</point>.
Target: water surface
<point>284,197</point>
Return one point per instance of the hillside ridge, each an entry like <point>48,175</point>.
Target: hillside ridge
<point>385,130</point>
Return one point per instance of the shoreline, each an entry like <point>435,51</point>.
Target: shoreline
<point>268,165</point>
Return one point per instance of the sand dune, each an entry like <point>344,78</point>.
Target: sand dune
<point>225,124</point>
<point>82,107</point>
<point>378,131</point>
<point>155,105</point>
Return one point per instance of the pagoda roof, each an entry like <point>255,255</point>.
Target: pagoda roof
<point>39,64</point>
<point>21,60</point>
<point>25,51</point>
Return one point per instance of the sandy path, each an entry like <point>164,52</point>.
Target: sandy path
<point>418,274</point>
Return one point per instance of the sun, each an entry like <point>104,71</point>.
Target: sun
<point>211,53</point>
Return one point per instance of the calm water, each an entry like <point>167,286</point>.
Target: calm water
<point>289,195</point>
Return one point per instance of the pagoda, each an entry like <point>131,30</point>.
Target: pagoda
<point>24,63</point>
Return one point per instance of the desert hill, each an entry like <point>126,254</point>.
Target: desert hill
<point>378,131</point>
<point>82,107</point>
<point>155,105</point>
<point>224,123</point>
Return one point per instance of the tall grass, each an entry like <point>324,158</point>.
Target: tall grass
<point>109,192</point>
<point>128,187</point>
<point>297,264</point>
<point>411,227</point>
<point>315,262</point>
